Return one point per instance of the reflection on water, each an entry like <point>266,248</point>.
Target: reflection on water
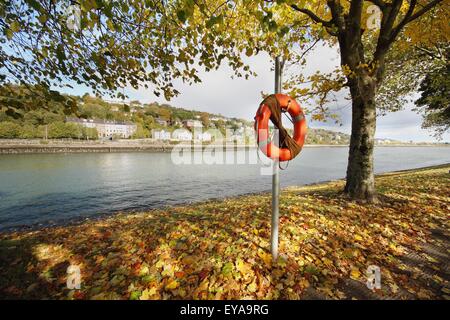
<point>55,187</point>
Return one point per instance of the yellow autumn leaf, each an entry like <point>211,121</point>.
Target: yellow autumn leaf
<point>424,294</point>
<point>394,288</point>
<point>251,287</point>
<point>445,290</point>
<point>144,270</point>
<point>173,284</point>
<point>243,267</point>
<point>203,285</point>
<point>168,271</point>
<point>188,260</point>
<point>304,283</point>
<point>355,273</point>
<point>147,293</point>
<point>266,257</point>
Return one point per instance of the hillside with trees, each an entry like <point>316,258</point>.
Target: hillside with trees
<point>51,122</point>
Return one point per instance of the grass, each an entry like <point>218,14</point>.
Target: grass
<point>220,249</point>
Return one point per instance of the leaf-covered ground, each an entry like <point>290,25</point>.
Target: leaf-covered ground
<point>220,249</point>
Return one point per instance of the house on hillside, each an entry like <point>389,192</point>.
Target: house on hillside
<point>114,107</point>
<point>182,135</point>
<point>107,128</point>
<point>236,137</point>
<point>203,136</point>
<point>218,119</point>
<point>136,103</point>
<point>176,122</point>
<point>191,123</point>
<point>161,122</point>
<point>161,135</point>
<point>384,141</point>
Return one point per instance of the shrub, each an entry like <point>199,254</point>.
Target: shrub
<point>9,130</point>
<point>58,130</point>
<point>29,132</point>
<point>89,133</point>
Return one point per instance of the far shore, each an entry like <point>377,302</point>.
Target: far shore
<point>33,146</point>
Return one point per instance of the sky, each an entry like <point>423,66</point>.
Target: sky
<point>220,94</point>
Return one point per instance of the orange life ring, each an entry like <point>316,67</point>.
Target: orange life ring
<point>262,127</point>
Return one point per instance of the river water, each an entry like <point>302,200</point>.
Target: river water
<point>42,189</point>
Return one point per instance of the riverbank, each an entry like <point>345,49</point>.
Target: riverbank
<point>34,146</point>
<point>220,249</point>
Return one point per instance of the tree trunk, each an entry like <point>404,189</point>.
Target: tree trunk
<point>360,183</point>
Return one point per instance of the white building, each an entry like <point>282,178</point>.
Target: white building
<point>107,128</point>
<point>161,135</point>
<point>192,123</point>
<point>182,135</point>
<point>203,136</point>
<point>236,137</point>
<point>384,141</point>
<point>218,119</point>
<point>161,122</point>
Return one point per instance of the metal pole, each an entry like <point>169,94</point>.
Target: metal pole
<point>276,176</point>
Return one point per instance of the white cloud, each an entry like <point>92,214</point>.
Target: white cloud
<point>219,93</point>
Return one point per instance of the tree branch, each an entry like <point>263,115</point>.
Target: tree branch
<point>355,16</point>
<point>380,3</point>
<point>424,10</point>
<point>409,16</point>
<point>312,15</point>
<point>336,13</point>
<point>389,32</point>
<point>308,49</point>
<point>390,13</point>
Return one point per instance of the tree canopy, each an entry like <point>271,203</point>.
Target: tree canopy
<point>435,99</point>
<point>405,30</point>
<point>108,45</point>
<point>151,44</point>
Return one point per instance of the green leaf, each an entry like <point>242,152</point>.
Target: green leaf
<point>135,295</point>
<point>9,34</point>
<point>35,5</point>
<point>14,26</point>
<point>214,20</point>
<point>182,15</point>
<point>283,31</point>
<point>272,25</point>
<point>227,268</point>
<point>89,5</point>
<point>60,53</point>
<point>43,18</point>
<point>110,25</point>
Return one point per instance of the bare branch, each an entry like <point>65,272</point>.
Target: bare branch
<point>308,49</point>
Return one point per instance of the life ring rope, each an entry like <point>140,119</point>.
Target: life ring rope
<point>272,108</point>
